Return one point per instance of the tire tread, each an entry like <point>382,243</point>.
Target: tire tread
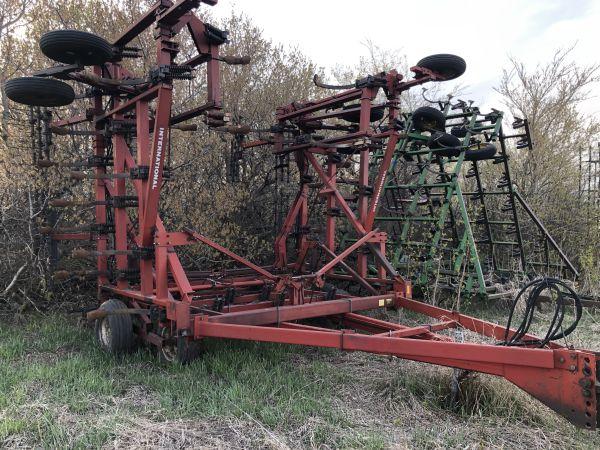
<point>447,65</point>
<point>121,327</point>
<point>480,154</point>
<point>34,91</point>
<point>427,113</point>
<point>62,45</point>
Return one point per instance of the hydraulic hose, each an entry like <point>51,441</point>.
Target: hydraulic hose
<point>555,331</point>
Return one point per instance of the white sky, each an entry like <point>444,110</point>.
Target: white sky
<point>484,33</point>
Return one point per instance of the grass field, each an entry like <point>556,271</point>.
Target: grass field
<point>58,390</point>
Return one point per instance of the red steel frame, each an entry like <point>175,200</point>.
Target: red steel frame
<point>269,303</point>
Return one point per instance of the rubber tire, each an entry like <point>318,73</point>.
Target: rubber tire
<point>427,118</point>
<point>448,66</point>
<point>329,288</point>
<point>348,150</point>
<point>445,144</point>
<point>459,131</point>
<point>189,351</point>
<point>38,91</point>
<point>76,47</point>
<point>354,116</point>
<point>121,339</point>
<point>479,154</point>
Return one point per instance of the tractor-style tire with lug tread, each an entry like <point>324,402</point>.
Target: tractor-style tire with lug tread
<point>38,91</point>
<point>444,144</point>
<point>76,47</point>
<point>488,151</point>
<point>448,66</point>
<point>115,332</point>
<point>427,118</point>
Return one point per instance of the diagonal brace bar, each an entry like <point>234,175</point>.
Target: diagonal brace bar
<point>200,238</point>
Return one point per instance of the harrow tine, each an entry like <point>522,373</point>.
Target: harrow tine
<point>64,203</point>
<point>234,129</point>
<point>235,60</point>
<point>63,275</point>
<point>185,127</point>
<point>46,163</point>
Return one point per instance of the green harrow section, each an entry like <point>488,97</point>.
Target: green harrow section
<point>431,238</point>
<point>452,213</point>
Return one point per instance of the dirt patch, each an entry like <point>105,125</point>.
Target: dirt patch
<point>138,398</point>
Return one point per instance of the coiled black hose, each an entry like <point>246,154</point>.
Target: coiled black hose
<point>555,330</point>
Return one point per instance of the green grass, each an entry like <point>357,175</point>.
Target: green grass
<point>57,363</point>
<point>59,390</point>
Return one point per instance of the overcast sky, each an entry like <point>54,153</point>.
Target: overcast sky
<point>484,33</point>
